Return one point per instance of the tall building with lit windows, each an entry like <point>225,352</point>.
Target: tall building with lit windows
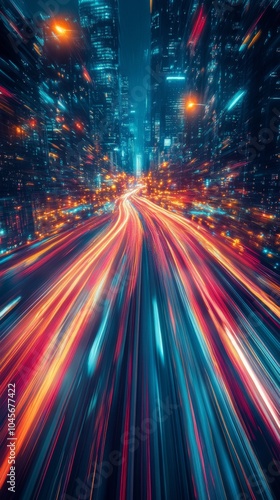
<point>100,23</point>
<point>168,80</point>
<point>24,164</point>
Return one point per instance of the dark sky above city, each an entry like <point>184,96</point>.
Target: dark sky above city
<point>134,32</point>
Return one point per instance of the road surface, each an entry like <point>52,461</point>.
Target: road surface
<point>143,353</point>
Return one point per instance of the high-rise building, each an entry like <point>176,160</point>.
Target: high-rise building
<point>100,23</point>
<point>168,80</point>
<point>66,96</point>
<point>127,146</point>
<point>261,147</point>
<point>23,144</point>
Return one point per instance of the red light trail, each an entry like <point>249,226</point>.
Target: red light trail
<point>139,306</point>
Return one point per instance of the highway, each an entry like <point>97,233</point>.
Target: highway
<point>143,353</point>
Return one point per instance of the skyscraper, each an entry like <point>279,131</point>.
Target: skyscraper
<point>168,81</point>
<point>23,144</point>
<point>65,93</point>
<point>128,131</point>
<point>100,23</point>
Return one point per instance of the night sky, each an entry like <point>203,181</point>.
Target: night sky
<point>134,33</point>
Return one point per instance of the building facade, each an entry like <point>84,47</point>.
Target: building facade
<point>100,24</point>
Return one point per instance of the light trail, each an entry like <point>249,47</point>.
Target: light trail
<point>138,307</point>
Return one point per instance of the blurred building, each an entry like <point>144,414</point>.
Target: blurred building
<point>168,81</point>
<point>127,128</point>
<point>24,172</point>
<point>67,99</point>
<point>261,147</point>
<point>100,23</point>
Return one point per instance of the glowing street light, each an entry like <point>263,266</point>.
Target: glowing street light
<point>191,104</point>
<point>60,29</point>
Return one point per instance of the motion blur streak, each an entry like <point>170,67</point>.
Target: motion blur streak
<point>143,359</point>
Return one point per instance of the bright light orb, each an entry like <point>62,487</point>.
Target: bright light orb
<point>60,29</point>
